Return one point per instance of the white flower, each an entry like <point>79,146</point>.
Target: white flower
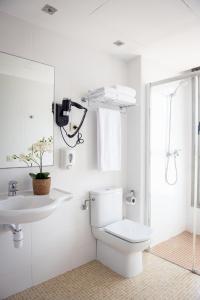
<point>23,157</point>
<point>36,153</point>
<point>43,145</point>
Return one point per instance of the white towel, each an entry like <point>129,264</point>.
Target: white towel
<point>125,90</point>
<point>102,90</point>
<point>107,94</point>
<point>117,99</point>
<point>122,96</point>
<point>119,89</point>
<point>109,139</point>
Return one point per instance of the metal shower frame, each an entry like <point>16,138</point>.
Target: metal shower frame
<point>195,77</point>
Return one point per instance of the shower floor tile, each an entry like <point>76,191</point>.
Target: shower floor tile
<point>178,250</point>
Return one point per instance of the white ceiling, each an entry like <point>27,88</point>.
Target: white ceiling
<point>164,30</point>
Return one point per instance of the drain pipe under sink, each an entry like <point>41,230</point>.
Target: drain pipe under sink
<point>17,232</point>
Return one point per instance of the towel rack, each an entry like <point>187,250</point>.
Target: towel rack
<point>107,104</point>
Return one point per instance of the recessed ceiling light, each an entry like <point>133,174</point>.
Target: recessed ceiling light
<point>49,9</point>
<point>118,43</point>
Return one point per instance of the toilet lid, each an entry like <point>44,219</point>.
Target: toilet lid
<point>129,231</point>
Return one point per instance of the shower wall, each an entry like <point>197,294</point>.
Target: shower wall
<point>169,203</point>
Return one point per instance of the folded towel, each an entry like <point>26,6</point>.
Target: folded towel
<point>109,139</point>
<point>115,98</point>
<point>102,90</point>
<point>103,93</point>
<point>119,96</point>
<point>103,97</point>
<point>125,90</point>
<point>123,99</point>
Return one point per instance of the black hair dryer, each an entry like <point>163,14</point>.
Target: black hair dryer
<point>62,116</point>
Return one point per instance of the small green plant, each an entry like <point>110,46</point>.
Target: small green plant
<point>35,156</point>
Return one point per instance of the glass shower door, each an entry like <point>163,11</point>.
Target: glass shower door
<point>174,187</point>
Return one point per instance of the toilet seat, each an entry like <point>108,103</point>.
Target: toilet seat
<point>130,231</point>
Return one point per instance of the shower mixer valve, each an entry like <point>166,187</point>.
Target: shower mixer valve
<point>174,153</point>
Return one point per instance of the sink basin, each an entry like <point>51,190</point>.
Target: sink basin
<point>27,208</point>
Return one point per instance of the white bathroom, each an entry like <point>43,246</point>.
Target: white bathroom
<point>92,83</point>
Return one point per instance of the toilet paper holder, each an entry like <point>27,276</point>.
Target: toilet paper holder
<point>131,197</point>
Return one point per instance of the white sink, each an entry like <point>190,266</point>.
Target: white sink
<point>27,208</point>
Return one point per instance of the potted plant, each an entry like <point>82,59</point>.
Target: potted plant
<point>41,181</point>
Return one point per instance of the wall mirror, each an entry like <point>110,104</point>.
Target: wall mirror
<point>26,97</point>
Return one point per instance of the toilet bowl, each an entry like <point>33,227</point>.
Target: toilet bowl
<point>120,242</point>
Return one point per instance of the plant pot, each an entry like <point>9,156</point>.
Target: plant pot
<point>41,186</point>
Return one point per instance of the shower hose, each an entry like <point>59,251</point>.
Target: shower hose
<point>170,155</point>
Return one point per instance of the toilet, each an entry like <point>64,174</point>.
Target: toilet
<point>120,242</point>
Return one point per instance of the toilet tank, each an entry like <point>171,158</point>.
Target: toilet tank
<point>106,206</point>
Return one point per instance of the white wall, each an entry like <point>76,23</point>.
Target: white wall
<point>179,213</point>
<point>169,202</point>
<point>134,134</point>
<point>140,72</point>
<point>62,241</point>
<point>168,206</point>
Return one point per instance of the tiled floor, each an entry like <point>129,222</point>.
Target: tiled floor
<point>179,250</point>
<point>160,280</point>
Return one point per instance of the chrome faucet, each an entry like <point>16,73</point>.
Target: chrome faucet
<point>12,188</point>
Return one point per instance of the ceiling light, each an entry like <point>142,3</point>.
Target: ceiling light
<point>118,43</point>
<point>49,9</point>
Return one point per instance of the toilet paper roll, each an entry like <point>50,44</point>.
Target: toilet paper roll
<point>130,198</point>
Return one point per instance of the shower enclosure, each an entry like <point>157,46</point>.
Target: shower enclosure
<point>172,165</point>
